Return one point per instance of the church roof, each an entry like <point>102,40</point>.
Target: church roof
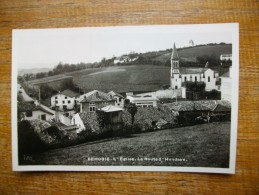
<point>174,54</point>
<point>187,70</point>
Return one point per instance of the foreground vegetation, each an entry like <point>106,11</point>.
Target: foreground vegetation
<point>205,145</point>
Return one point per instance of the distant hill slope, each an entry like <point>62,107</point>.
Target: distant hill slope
<point>191,53</point>
<point>33,70</point>
<point>138,77</point>
<point>123,78</point>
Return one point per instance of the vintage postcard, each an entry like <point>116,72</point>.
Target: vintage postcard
<point>129,98</point>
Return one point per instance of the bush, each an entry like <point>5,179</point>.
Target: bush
<point>29,141</point>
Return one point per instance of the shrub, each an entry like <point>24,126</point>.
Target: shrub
<point>29,141</point>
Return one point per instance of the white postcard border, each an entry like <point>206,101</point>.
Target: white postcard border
<point>226,27</point>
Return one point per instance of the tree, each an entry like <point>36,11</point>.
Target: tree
<point>46,91</point>
<point>194,86</point>
<point>69,84</point>
<point>28,140</point>
<point>50,73</point>
<point>132,109</point>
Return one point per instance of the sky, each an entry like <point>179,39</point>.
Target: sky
<point>45,48</point>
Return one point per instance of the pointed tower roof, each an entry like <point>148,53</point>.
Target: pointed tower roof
<point>174,54</point>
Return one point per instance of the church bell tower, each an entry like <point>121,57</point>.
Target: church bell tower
<point>176,80</point>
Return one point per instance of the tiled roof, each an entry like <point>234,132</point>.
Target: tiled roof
<point>69,93</point>
<point>221,108</point>
<point>225,74</point>
<point>96,96</point>
<point>199,106</point>
<point>25,106</point>
<point>182,106</point>
<point>202,105</point>
<point>113,93</point>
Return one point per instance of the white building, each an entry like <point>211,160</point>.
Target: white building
<point>226,57</point>
<point>119,99</point>
<point>121,59</point>
<point>30,111</point>
<point>124,59</point>
<point>179,75</point>
<point>64,100</point>
<point>143,100</point>
<point>226,85</point>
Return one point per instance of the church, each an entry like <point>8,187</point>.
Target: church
<point>179,75</point>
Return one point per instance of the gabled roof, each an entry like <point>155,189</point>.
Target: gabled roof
<point>69,93</point>
<point>189,106</point>
<point>111,108</point>
<point>113,93</point>
<point>225,74</point>
<point>182,106</point>
<point>221,108</point>
<point>96,96</point>
<point>174,54</point>
<point>25,106</point>
<point>201,107</point>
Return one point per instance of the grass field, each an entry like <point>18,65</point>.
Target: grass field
<point>190,54</point>
<point>205,145</point>
<point>123,78</point>
<point>49,79</point>
<point>135,78</point>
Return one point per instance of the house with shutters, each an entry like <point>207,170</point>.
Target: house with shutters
<point>88,121</point>
<point>180,75</point>
<point>94,100</point>
<point>119,99</point>
<point>64,100</point>
<point>30,111</point>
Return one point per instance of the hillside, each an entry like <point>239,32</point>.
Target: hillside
<point>205,145</point>
<point>190,54</point>
<point>123,78</point>
<point>137,77</point>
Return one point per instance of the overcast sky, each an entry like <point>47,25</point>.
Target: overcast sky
<point>45,48</point>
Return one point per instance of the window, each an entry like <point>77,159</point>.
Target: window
<point>208,79</point>
<point>176,87</point>
<point>68,101</point>
<point>63,102</point>
<point>65,97</point>
<point>29,113</point>
<point>119,99</point>
<point>92,108</point>
<point>91,103</point>
<point>56,97</point>
<point>195,78</point>
<point>43,117</point>
<point>56,101</point>
<point>185,79</point>
<point>64,107</point>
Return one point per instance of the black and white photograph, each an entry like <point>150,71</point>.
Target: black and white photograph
<point>126,98</point>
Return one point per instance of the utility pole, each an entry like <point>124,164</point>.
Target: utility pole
<point>39,95</point>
